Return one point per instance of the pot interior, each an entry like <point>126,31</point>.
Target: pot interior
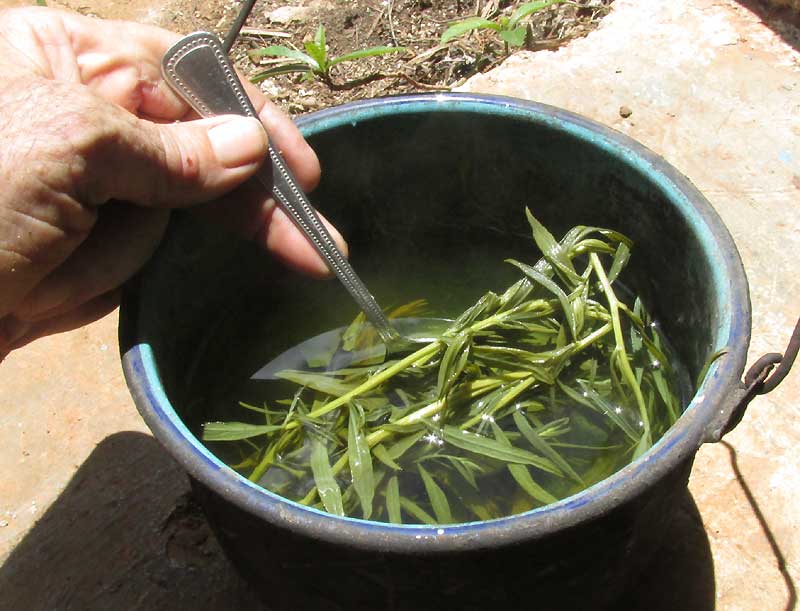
<point>430,197</point>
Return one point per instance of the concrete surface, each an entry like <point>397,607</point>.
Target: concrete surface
<point>94,516</point>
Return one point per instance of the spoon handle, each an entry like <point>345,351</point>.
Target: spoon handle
<point>199,70</point>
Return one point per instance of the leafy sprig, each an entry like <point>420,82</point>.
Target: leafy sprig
<point>317,62</point>
<point>529,396</point>
<point>512,30</point>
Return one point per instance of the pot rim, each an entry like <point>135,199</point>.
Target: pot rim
<point>680,442</point>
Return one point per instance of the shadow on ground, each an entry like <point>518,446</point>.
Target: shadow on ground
<point>780,18</point>
<point>125,535</point>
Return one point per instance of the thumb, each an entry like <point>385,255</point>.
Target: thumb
<point>173,164</point>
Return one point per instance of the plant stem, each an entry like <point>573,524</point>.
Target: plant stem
<point>624,364</point>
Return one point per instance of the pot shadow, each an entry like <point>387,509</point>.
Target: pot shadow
<point>783,20</point>
<point>125,534</point>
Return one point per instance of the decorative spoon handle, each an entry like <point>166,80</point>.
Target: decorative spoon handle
<point>198,69</point>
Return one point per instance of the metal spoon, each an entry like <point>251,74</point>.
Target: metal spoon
<point>199,70</point>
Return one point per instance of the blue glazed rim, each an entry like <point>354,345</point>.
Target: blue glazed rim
<point>697,425</point>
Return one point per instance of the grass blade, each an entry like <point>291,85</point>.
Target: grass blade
<point>327,488</point>
<point>362,53</point>
<point>542,446</point>
<point>522,476</point>
<point>235,431</point>
<point>360,459</point>
<point>551,286</point>
<point>485,446</point>
<point>415,510</point>
<point>324,383</point>
<point>529,8</point>
<point>467,25</point>
<point>380,452</point>
<point>393,501</point>
<point>437,497</point>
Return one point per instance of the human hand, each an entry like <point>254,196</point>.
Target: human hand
<point>92,158</point>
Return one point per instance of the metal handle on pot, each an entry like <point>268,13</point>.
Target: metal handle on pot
<point>198,68</point>
<point>759,380</point>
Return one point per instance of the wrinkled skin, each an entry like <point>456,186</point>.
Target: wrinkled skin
<point>95,150</point>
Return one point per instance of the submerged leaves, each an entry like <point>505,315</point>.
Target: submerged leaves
<point>528,397</point>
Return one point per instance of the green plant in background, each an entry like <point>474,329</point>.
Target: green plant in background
<point>528,397</point>
<point>511,30</point>
<point>316,62</point>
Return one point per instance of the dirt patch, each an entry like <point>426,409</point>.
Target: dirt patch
<point>416,25</point>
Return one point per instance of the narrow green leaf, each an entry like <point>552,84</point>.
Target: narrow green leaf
<point>707,365</point>
<point>317,54</point>
<point>490,448</point>
<point>539,444</point>
<point>415,510</point>
<point>281,51</point>
<point>234,431</point>
<point>319,38</point>
<point>522,476</point>
<point>278,71</point>
<point>528,8</point>
<point>360,460</point>
<point>437,497</point>
<point>380,452</point>
<point>393,501</point>
<point>551,286</point>
<point>621,257</point>
<point>554,252</point>
<point>515,37</point>
<point>467,25</point>
<point>453,362</point>
<point>327,488</point>
<point>362,53</point>
<point>400,447</point>
<point>317,381</point>
<point>466,468</point>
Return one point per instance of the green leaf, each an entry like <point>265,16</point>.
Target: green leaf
<point>515,37</point>
<point>327,488</point>
<point>417,511</point>
<point>484,446</point>
<point>467,25</point>
<point>621,257</point>
<point>437,497</point>
<point>234,431</point>
<point>360,460</point>
<point>319,37</point>
<point>539,444</point>
<point>707,365</point>
<point>393,501</point>
<point>522,476</point>
<point>286,52</point>
<point>278,71</point>
<point>453,362</point>
<point>324,383</point>
<point>370,52</point>
<point>553,252</point>
<point>398,448</point>
<point>551,286</point>
<point>380,452</point>
<point>523,10</point>
<point>466,468</point>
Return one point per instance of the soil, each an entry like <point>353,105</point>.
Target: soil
<point>416,25</point>
<point>354,25</point>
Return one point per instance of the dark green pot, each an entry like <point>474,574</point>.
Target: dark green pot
<point>447,177</point>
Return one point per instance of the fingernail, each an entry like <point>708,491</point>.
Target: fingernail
<point>238,141</point>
